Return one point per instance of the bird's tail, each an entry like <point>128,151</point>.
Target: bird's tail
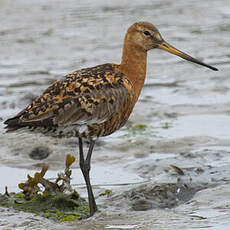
<point>12,124</point>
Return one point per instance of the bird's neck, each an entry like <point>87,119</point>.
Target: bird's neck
<point>133,65</point>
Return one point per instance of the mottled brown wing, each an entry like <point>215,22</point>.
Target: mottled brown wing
<point>87,96</point>
<point>94,107</point>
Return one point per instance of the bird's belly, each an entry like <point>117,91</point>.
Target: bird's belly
<point>91,130</point>
<point>59,131</point>
<point>109,126</point>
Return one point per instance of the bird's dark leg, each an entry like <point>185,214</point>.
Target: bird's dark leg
<point>85,168</point>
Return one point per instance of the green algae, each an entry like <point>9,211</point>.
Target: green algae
<point>107,193</point>
<point>60,207</point>
<point>56,200</point>
<point>165,125</point>
<point>137,129</point>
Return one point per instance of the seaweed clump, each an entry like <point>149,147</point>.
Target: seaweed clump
<point>57,200</point>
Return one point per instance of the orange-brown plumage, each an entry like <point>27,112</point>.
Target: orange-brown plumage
<point>91,97</point>
<point>96,101</point>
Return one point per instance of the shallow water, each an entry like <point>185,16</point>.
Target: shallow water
<point>186,107</point>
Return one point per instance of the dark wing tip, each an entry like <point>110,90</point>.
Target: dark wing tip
<point>11,129</point>
<point>12,124</point>
<point>6,122</point>
<point>12,121</point>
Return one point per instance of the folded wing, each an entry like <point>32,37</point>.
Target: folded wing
<point>87,96</point>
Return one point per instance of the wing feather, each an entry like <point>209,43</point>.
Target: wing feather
<point>86,96</point>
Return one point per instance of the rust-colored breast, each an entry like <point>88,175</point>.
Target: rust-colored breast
<point>119,118</point>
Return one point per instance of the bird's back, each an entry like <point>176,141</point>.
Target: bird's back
<point>85,103</point>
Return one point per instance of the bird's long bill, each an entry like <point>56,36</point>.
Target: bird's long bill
<point>167,47</point>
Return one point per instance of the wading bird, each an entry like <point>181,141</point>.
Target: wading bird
<point>95,102</point>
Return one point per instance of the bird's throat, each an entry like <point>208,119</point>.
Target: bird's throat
<point>133,65</point>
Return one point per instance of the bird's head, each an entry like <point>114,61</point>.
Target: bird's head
<point>145,36</point>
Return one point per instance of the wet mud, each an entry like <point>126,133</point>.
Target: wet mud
<point>181,121</point>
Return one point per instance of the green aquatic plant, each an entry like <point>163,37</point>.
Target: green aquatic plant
<point>140,130</point>
<point>107,193</point>
<point>165,125</point>
<point>38,184</point>
<point>139,127</point>
<point>136,129</point>
<point>47,198</point>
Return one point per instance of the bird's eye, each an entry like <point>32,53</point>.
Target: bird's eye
<point>147,33</point>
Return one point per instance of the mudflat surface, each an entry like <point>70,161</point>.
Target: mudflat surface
<point>183,111</point>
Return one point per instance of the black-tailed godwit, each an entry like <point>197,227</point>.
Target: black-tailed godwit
<point>95,102</point>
